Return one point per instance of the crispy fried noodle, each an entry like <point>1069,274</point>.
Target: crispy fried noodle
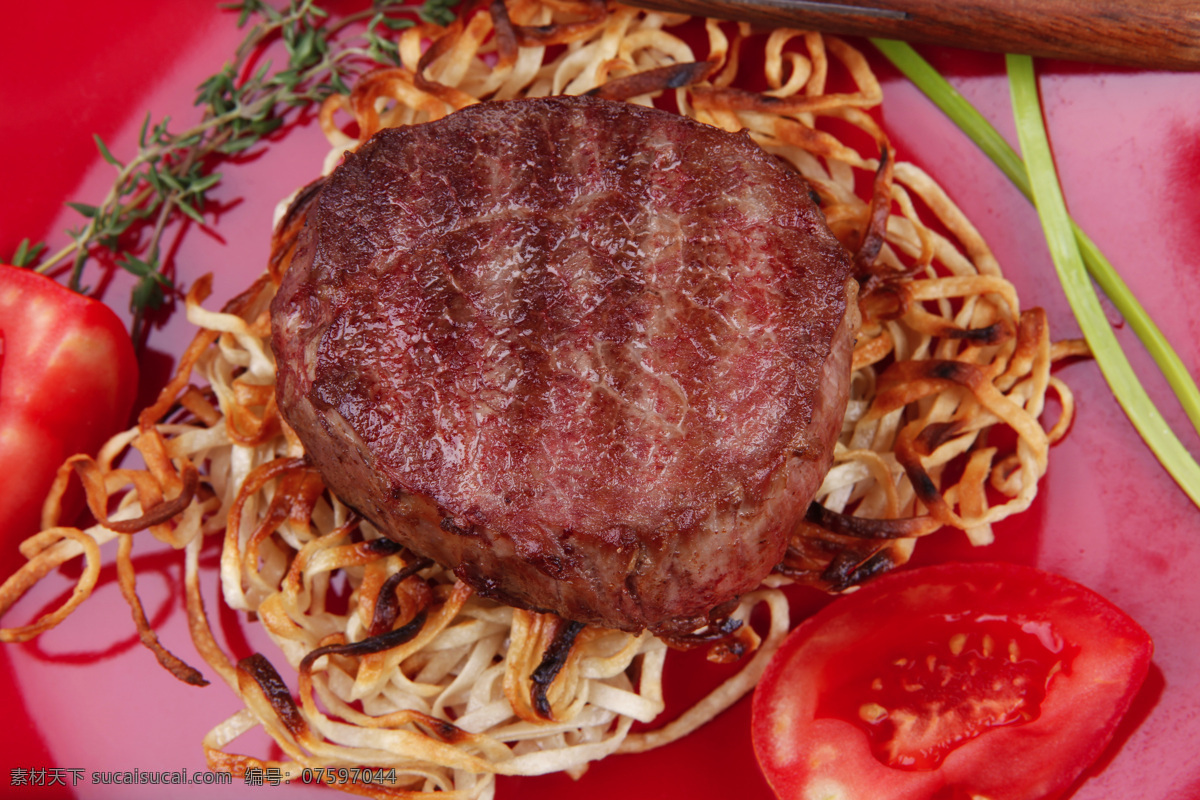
<point>414,672</point>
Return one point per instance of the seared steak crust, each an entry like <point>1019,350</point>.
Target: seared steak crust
<point>592,356</point>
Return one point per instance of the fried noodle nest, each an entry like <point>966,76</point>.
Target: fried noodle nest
<point>416,673</point>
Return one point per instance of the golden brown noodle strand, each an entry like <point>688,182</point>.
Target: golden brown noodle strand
<point>298,574</point>
<point>726,51</point>
<point>904,228</point>
<point>444,65</point>
<point>236,765</point>
<point>864,528</point>
<point>594,14</point>
<point>507,47</point>
<point>403,743</point>
<point>397,85</point>
<point>907,381</point>
<point>1066,415</point>
<point>198,624</point>
<point>99,486</point>
<point>394,602</point>
<point>46,553</point>
<point>882,472</point>
<point>375,644</point>
<point>327,119</point>
<point>871,350</point>
<point>542,645</point>
<point>944,287</point>
<point>377,669</point>
<point>978,255</point>
<point>1033,346</point>
<point>244,425</point>
<point>815,43</point>
<point>971,492</point>
<point>1069,348</point>
<point>732,689</point>
<point>437,731</point>
<point>166,398</point>
<point>296,495</point>
<point>523,652</point>
<point>938,327</point>
<point>882,300</point>
<point>376,606</point>
<point>800,67</point>
<point>810,139</point>
<point>870,93</point>
<point>586,64</point>
<point>52,506</point>
<point>268,698</point>
<point>923,484</point>
<point>673,76</point>
<point>200,406</point>
<point>167,479</point>
<point>646,47</point>
<point>880,209</point>
<point>412,44</point>
<point>127,579</point>
<point>231,556</point>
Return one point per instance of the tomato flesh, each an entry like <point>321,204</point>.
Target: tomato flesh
<point>927,697</point>
<point>956,681</point>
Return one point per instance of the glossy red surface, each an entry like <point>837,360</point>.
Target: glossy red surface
<point>86,696</point>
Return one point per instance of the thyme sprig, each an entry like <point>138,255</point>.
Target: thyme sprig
<point>171,174</point>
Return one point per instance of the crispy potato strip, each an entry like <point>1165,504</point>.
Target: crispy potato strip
<point>400,667</point>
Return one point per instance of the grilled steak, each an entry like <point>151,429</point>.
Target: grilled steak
<point>592,356</point>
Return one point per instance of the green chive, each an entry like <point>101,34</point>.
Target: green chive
<point>1068,261</point>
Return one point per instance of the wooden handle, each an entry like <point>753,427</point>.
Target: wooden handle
<point>1155,34</point>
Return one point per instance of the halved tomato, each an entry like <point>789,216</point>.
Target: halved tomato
<point>990,681</point>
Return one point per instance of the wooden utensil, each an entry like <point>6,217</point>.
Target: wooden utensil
<point>1154,34</point>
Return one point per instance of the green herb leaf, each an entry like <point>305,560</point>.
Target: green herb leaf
<point>437,12</point>
<point>27,253</point>
<point>105,153</point>
<point>83,208</point>
<point>136,266</point>
<point>238,145</point>
<point>189,210</point>
<point>144,132</point>
<point>147,294</point>
<point>202,184</point>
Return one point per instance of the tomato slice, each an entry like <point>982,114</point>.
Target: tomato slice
<point>992,681</point>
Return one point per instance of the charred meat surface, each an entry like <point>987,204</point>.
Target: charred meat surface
<point>592,356</point>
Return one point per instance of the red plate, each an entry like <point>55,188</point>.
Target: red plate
<point>87,698</point>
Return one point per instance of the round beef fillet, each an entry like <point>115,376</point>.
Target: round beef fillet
<point>591,356</point>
